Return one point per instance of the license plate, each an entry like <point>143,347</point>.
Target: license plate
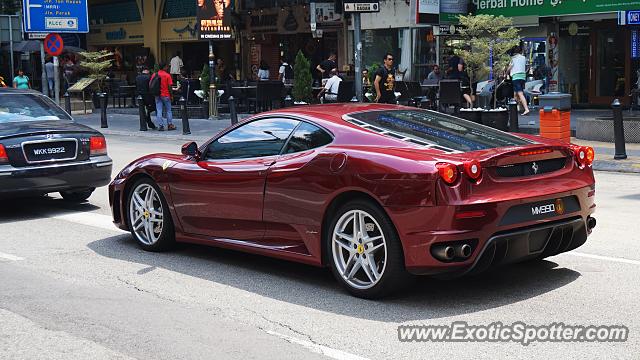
<point>46,151</point>
<point>541,210</point>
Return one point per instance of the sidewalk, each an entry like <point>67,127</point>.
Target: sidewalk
<point>204,129</point>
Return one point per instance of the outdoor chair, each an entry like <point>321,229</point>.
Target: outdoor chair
<point>449,94</point>
<point>346,91</point>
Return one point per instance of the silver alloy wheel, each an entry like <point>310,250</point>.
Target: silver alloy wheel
<point>146,214</point>
<point>359,249</point>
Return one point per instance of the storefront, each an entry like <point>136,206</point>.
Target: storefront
<point>588,54</point>
<point>272,33</point>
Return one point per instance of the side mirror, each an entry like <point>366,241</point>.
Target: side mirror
<point>190,149</point>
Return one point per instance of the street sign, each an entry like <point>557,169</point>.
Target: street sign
<point>362,7</point>
<point>53,44</point>
<point>631,17</point>
<point>36,36</point>
<point>68,16</point>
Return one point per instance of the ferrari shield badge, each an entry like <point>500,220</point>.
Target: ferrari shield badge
<point>166,165</point>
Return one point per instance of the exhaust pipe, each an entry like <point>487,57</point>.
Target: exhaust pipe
<point>591,223</point>
<point>444,253</point>
<point>463,251</point>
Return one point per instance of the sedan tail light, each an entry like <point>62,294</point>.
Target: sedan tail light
<point>448,172</point>
<point>584,155</point>
<point>3,155</point>
<point>473,169</point>
<point>98,145</point>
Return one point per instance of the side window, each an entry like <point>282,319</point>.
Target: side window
<point>258,138</point>
<point>307,137</point>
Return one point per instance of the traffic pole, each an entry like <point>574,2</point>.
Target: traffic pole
<point>103,111</point>
<point>618,131</point>
<point>67,102</point>
<point>56,71</point>
<point>186,129</point>
<point>357,55</point>
<point>45,83</point>
<point>232,110</point>
<point>513,116</point>
<point>142,112</point>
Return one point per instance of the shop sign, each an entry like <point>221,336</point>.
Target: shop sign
<point>295,19</point>
<point>450,9</point>
<point>213,19</point>
<point>362,7</point>
<point>326,13</point>
<point>629,17</point>
<point>427,11</point>
<point>635,44</point>
<point>512,8</point>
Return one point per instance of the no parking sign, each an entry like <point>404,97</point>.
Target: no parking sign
<point>53,44</point>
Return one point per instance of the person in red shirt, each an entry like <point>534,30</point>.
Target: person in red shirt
<point>164,100</point>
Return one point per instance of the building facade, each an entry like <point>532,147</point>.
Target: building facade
<point>590,55</point>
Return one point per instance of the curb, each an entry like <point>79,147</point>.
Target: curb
<point>152,135</point>
<point>621,166</point>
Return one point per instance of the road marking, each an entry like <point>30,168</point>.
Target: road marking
<point>318,349</point>
<point>10,257</point>
<point>606,258</point>
<point>90,219</point>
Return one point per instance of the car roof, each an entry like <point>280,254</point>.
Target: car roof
<point>335,112</point>
<point>8,90</point>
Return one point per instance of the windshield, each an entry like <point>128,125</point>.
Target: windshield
<point>29,107</point>
<point>435,129</point>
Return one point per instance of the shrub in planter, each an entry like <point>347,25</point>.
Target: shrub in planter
<point>474,115</point>
<point>496,118</point>
<point>302,80</point>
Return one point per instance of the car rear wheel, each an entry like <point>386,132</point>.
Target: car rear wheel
<point>366,253</point>
<point>77,196</point>
<point>149,218</point>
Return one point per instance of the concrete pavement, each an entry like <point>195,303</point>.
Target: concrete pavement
<point>75,287</point>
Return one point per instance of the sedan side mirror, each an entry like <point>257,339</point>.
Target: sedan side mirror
<point>190,149</point>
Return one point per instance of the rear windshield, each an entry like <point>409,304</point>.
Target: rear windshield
<point>29,107</point>
<point>434,129</point>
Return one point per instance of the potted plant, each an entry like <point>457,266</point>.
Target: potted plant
<point>96,64</point>
<point>302,91</point>
<point>487,40</point>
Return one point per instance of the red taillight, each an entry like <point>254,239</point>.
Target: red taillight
<point>448,172</point>
<point>470,214</point>
<point>473,169</point>
<point>98,145</point>
<point>3,155</point>
<point>535,152</point>
<point>584,155</point>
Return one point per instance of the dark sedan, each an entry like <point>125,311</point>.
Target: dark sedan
<point>42,150</point>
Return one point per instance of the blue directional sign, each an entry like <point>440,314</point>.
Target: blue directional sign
<point>55,16</point>
<point>631,17</point>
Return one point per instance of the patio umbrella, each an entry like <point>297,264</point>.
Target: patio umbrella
<point>25,46</point>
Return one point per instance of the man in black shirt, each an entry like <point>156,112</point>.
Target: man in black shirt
<point>385,81</point>
<point>142,88</point>
<point>326,66</point>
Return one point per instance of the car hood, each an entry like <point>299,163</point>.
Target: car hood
<point>25,128</point>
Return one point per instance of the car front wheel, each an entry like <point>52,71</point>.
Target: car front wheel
<point>149,218</point>
<point>366,253</point>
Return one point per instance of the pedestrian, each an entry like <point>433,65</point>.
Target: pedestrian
<point>460,74</point>
<point>518,71</point>
<point>221,70</point>
<point>176,65</point>
<point>263,71</point>
<point>142,89</point>
<point>330,89</point>
<point>285,73</point>
<point>21,81</point>
<point>384,82</point>
<point>160,86</point>
<point>326,66</point>
<point>435,74</point>
<point>51,76</point>
<point>366,82</point>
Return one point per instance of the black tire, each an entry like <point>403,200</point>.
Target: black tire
<point>77,196</point>
<point>395,275</point>
<point>167,238</point>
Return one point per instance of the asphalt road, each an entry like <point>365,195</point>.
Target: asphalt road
<point>74,287</point>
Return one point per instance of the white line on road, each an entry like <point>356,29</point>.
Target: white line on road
<point>90,219</point>
<point>10,257</point>
<point>606,258</point>
<point>318,349</point>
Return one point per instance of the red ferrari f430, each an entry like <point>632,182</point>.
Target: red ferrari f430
<point>374,192</point>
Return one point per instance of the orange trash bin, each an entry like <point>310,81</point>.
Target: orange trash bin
<point>555,124</point>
